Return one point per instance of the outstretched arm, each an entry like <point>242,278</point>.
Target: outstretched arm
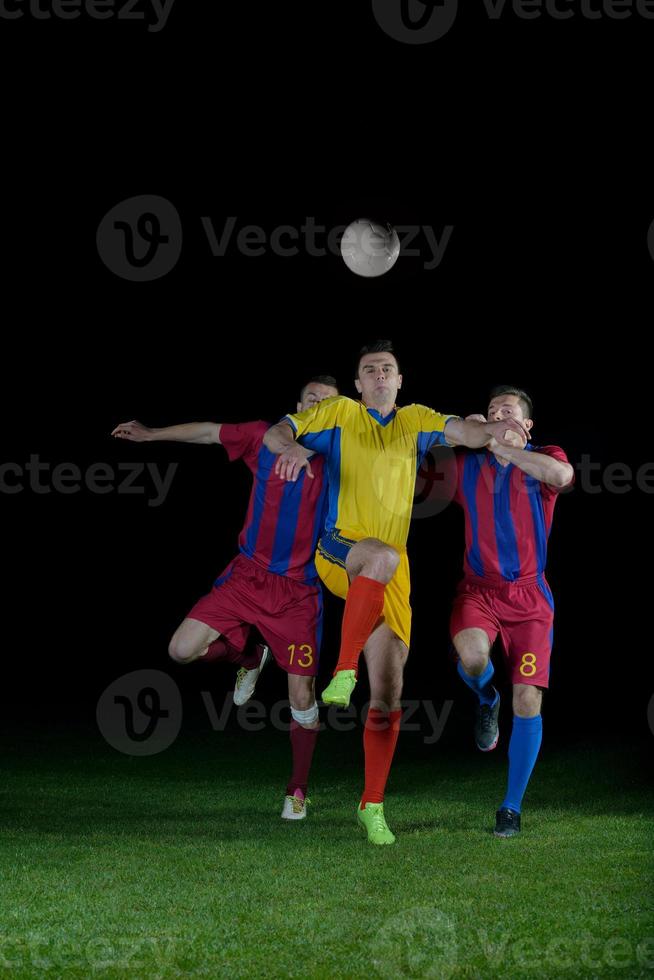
<point>280,439</point>
<point>199,432</point>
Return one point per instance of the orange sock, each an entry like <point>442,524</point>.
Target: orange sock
<point>363,607</point>
<point>379,741</point>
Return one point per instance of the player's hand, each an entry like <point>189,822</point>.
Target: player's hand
<point>133,431</point>
<point>475,418</point>
<point>505,432</point>
<point>290,463</point>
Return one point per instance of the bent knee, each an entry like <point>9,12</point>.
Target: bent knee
<point>527,701</point>
<point>302,702</point>
<point>474,662</point>
<point>181,651</point>
<point>383,561</point>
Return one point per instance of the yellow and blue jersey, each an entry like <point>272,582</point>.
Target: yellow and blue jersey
<point>371,463</point>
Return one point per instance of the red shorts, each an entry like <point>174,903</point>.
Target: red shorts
<point>523,615</point>
<point>287,613</point>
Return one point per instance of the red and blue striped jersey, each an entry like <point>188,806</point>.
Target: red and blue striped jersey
<point>284,519</point>
<point>508,515</point>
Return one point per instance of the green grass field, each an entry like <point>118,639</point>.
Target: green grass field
<point>178,865</point>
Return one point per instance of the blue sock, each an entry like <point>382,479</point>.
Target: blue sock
<point>525,742</point>
<point>481,685</point>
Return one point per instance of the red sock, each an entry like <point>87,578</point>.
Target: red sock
<point>363,607</point>
<point>303,742</point>
<point>379,741</point>
<point>222,649</point>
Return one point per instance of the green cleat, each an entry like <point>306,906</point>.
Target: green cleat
<point>372,819</point>
<point>340,688</point>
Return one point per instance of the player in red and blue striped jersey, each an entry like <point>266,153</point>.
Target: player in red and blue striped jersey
<point>508,497</point>
<point>272,584</point>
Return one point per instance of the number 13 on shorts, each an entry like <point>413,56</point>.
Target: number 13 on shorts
<point>305,655</point>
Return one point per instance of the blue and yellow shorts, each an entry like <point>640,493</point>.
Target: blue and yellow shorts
<point>332,551</point>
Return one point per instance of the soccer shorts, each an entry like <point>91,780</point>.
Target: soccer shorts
<point>330,558</point>
<point>287,613</point>
<point>523,615</point>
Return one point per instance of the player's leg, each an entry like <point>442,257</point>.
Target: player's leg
<point>303,734</point>
<point>191,640</point>
<point>527,635</point>
<point>476,670</point>
<point>218,627</point>
<point>385,655</point>
<point>473,627</point>
<point>370,565</point>
<point>524,746</point>
<point>290,619</point>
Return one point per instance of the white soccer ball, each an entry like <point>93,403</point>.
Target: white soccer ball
<point>369,248</point>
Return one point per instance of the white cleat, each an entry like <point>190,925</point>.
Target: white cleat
<point>295,808</point>
<point>246,680</point>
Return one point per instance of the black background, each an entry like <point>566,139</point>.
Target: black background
<point>529,138</point>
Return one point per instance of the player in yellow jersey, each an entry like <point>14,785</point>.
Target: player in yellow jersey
<point>372,453</point>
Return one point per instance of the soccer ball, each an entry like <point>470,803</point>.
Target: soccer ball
<point>369,248</point>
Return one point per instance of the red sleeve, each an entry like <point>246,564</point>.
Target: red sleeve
<point>556,453</point>
<point>243,440</point>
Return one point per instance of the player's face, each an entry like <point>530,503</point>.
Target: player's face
<point>315,393</point>
<point>507,407</point>
<point>379,379</point>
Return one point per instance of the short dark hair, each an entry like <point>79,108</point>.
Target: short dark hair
<point>526,403</point>
<point>377,347</point>
<point>319,379</point>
